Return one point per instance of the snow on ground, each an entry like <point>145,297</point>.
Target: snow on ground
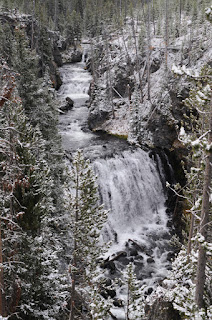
<point>122,47</point>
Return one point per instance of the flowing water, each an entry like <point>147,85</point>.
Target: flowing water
<point>73,124</point>
<point>131,189</point>
<point>129,184</point>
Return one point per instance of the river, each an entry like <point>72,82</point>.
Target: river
<point>129,183</point>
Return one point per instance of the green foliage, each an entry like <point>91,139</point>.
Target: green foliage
<point>26,208</point>
<point>99,308</point>
<point>87,220</point>
<point>134,304</point>
<point>198,140</point>
<point>31,175</point>
<point>7,42</point>
<point>25,63</point>
<point>44,48</point>
<point>179,287</point>
<point>73,29</point>
<point>26,184</point>
<point>134,129</point>
<point>198,100</point>
<point>87,215</point>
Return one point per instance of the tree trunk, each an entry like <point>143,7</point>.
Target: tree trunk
<point>2,307</point>
<point>137,59</point>
<point>180,10</point>
<point>33,29</point>
<point>153,16</point>
<point>148,52</point>
<point>125,11</point>
<point>73,273</point>
<point>128,301</point>
<point>191,230</point>
<point>200,279</point>
<point>166,36</point>
<point>109,82</point>
<point>93,68</point>
<point>55,15</point>
<point>120,4</point>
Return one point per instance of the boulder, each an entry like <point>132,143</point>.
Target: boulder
<point>68,106</point>
<point>122,82</point>
<point>98,116</point>
<point>170,255</point>
<point>150,260</point>
<point>163,130</point>
<point>107,264</point>
<point>148,291</point>
<point>117,302</point>
<point>108,282</point>
<point>138,270</point>
<point>155,65</point>
<point>76,56</point>
<point>108,293</point>
<point>161,310</point>
<point>72,55</point>
<point>123,260</point>
<point>133,252</point>
<point>69,103</point>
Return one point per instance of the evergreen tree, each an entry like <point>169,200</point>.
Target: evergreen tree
<point>22,180</point>
<point>201,98</point>
<point>200,175</point>
<point>73,28</point>
<point>87,220</point>
<point>31,284</point>
<point>25,63</point>
<point>134,124</point>
<point>134,307</point>
<point>44,48</point>
<point>7,42</point>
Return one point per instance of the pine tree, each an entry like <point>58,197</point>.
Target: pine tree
<point>21,206</point>
<point>7,42</point>
<point>134,124</point>
<point>134,298</point>
<point>73,28</point>
<point>203,98</point>
<point>25,63</point>
<point>28,255</point>
<point>87,220</point>
<point>200,141</point>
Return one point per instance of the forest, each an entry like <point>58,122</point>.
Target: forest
<point>105,159</point>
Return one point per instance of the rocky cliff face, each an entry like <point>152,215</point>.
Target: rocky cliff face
<point>113,96</point>
<point>58,51</point>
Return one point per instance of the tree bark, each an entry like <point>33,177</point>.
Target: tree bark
<point>73,275</point>
<point>166,36</point>
<point>191,231</point>
<point>202,258</point>
<point>153,16</point>
<point>180,10</point>
<point>109,82</point>
<point>55,15</point>
<point>33,29</point>
<point>137,59</point>
<point>1,278</point>
<point>148,52</point>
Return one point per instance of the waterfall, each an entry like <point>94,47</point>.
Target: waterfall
<point>129,184</point>
<point>131,189</point>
